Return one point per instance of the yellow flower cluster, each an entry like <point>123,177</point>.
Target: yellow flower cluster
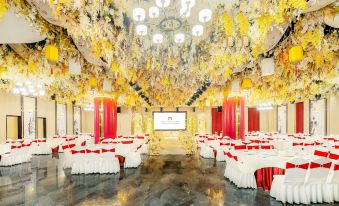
<point>243,24</point>
<point>228,24</point>
<point>3,8</point>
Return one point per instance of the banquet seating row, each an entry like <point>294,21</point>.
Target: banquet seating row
<point>211,146</point>
<point>105,157</point>
<point>12,154</point>
<point>247,159</point>
<point>87,160</point>
<point>19,151</point>
<point>307,181</point>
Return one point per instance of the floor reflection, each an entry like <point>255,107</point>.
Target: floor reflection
<point>160,180</point>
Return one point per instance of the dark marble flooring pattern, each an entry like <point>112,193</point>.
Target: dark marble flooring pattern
<point>159,181</point>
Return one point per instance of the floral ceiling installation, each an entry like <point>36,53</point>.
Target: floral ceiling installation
<point>101,37</point>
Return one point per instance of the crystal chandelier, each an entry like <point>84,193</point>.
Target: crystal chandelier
<point>170,26</point>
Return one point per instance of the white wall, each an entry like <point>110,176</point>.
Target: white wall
<point>46,109</point>
<point>10,104</point>
<point>333,115</point>
<point>268,120</point>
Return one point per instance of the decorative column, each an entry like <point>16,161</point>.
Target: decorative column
<point>114,118</point>
<point>108,118</point>
<point>97,102</point>
<point>224,118</point>
<point>233,118</point>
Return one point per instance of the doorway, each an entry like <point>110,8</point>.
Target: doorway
<point>13,127</point>
<point>42,130</point>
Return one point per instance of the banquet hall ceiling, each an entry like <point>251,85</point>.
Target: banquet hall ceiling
<point>101,36</point>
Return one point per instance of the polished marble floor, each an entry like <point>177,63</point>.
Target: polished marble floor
<point>160,181</point>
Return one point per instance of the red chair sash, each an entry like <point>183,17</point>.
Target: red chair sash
<point>251,147</point>
<point>55,149</point>
<point>229,155</point>
<point>83,143</point>
<point>225,144</point>
<point>126,142</point>
<point>15,147</point>
<point>267,147</point>
<point>78,151</point>
<point>317,165</point>
<point>320,153</point>
<point>92,151</point>
<point>140,137</point>
<point>297,144</point>
<point>69,146</point>
<point>42,140</point>
<point>35,141</point>
<point>239,147</point>
<point>302,166</point>
<point>108,150</point>
<point>333,156</point>
<point>202,141</point>
<point>336,167</point>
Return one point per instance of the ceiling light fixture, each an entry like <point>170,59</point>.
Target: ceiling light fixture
<point>162,3</point>
<point>141,30</point>
<point>185,13</point>
<point>138,14</point>
<point>197,30</point>
<point>187,4</point>
<point>153,12</point>
<point>179,38</point>
<point>29,88</point>
<point>158,38</point>
<point>205,15</point>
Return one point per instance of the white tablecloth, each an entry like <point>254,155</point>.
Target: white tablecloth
<point>4,148</point>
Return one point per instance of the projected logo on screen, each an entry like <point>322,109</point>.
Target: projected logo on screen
<point>169,120</point>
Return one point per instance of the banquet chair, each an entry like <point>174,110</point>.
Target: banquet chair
<point>316,178</point>
<point>12,157</point>
<point>240,147</point>
<point>68,157</point>
<point>290,187</point>
<point>321,152</point>
<point>252,146</point>
<point>92,159</point>
<point>239,173</point>
<point>221,157</point>
<point>108,162</point>
<point>332,184</point>
<point>334,154</point>
<point>78,160</point>
<point>25,153</point>
<point>266,146</point>
<point>206,151</point>
<point>132,157</point>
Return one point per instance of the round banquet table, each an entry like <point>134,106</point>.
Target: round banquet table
<point>264,165</point>
<point>4,148</point>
